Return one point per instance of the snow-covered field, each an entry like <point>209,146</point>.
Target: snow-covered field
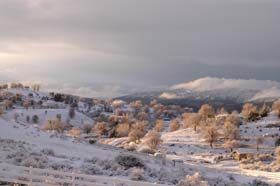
<point>23,143</point>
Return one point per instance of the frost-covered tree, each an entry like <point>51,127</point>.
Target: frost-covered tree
<point>250,112</point>
<point>211,134</point>
<point>207,111</point>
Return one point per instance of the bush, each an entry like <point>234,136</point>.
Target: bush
<point>129,161</point>
<point>277,154</point>
<point>258,183</point>
<point>74,132</point>
<point>159,125</point>
<point>277,142</point>
<point>122,130</point>
<point>55,125</point>
<point>174,125</point>
<point>136,134</point>
<point>87,128</point>
<point>27,119</point>
<point>137,174</point>
<point>100,128</point>
<point>152,139</point>
<point>35,119</point>
<point>72,112</point>
<point>194,180</point>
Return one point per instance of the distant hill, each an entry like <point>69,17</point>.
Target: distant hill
<point>229,93</point>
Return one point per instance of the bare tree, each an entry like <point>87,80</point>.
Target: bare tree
<point>249,112</point>
<point>206,111</point>
<point>194,120</point>
<point>231,132</point>
<point>211,134</point>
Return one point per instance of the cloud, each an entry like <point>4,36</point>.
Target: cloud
<point>128,43</point>
<point>212,83</point>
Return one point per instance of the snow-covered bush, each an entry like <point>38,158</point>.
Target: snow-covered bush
<point>153,139</point>
<point>194,180</point>
<point>129,161</point>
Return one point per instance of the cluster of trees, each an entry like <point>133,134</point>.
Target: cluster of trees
<point>251,112</point>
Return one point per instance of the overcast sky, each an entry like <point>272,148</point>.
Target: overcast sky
<point>104,47</point>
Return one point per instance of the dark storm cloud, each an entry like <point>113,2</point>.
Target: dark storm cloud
<point>133,42</point>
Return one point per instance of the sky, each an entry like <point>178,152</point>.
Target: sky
<point>108,48</point>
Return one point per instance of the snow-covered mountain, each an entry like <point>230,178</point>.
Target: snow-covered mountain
<point>239,89</point>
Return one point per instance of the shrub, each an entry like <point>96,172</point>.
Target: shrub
<point>263,112</point>
<point>55,125</point>
<point>277,154</point>
<point>194,180</point>
<point>122,130</point>
<point>100,128</point>
<point>277,142</point>
<point>35,119</point>
<point>135,135</point>
<point>159,125</point>
<point>174,125</point>
<point>232,144</point>
<point>27,119</point>
<point>276,107</point>
<point>74,132</point>
<point>152,139</point>
<point>259,141</point>
<point>87,128</point>
<point>48,152</point>
<point>129,161</point>
<point>71,112</point>
<point>58,117</point>
<point>137,174</point>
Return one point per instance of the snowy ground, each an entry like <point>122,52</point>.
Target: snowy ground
<point>24,144</point>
